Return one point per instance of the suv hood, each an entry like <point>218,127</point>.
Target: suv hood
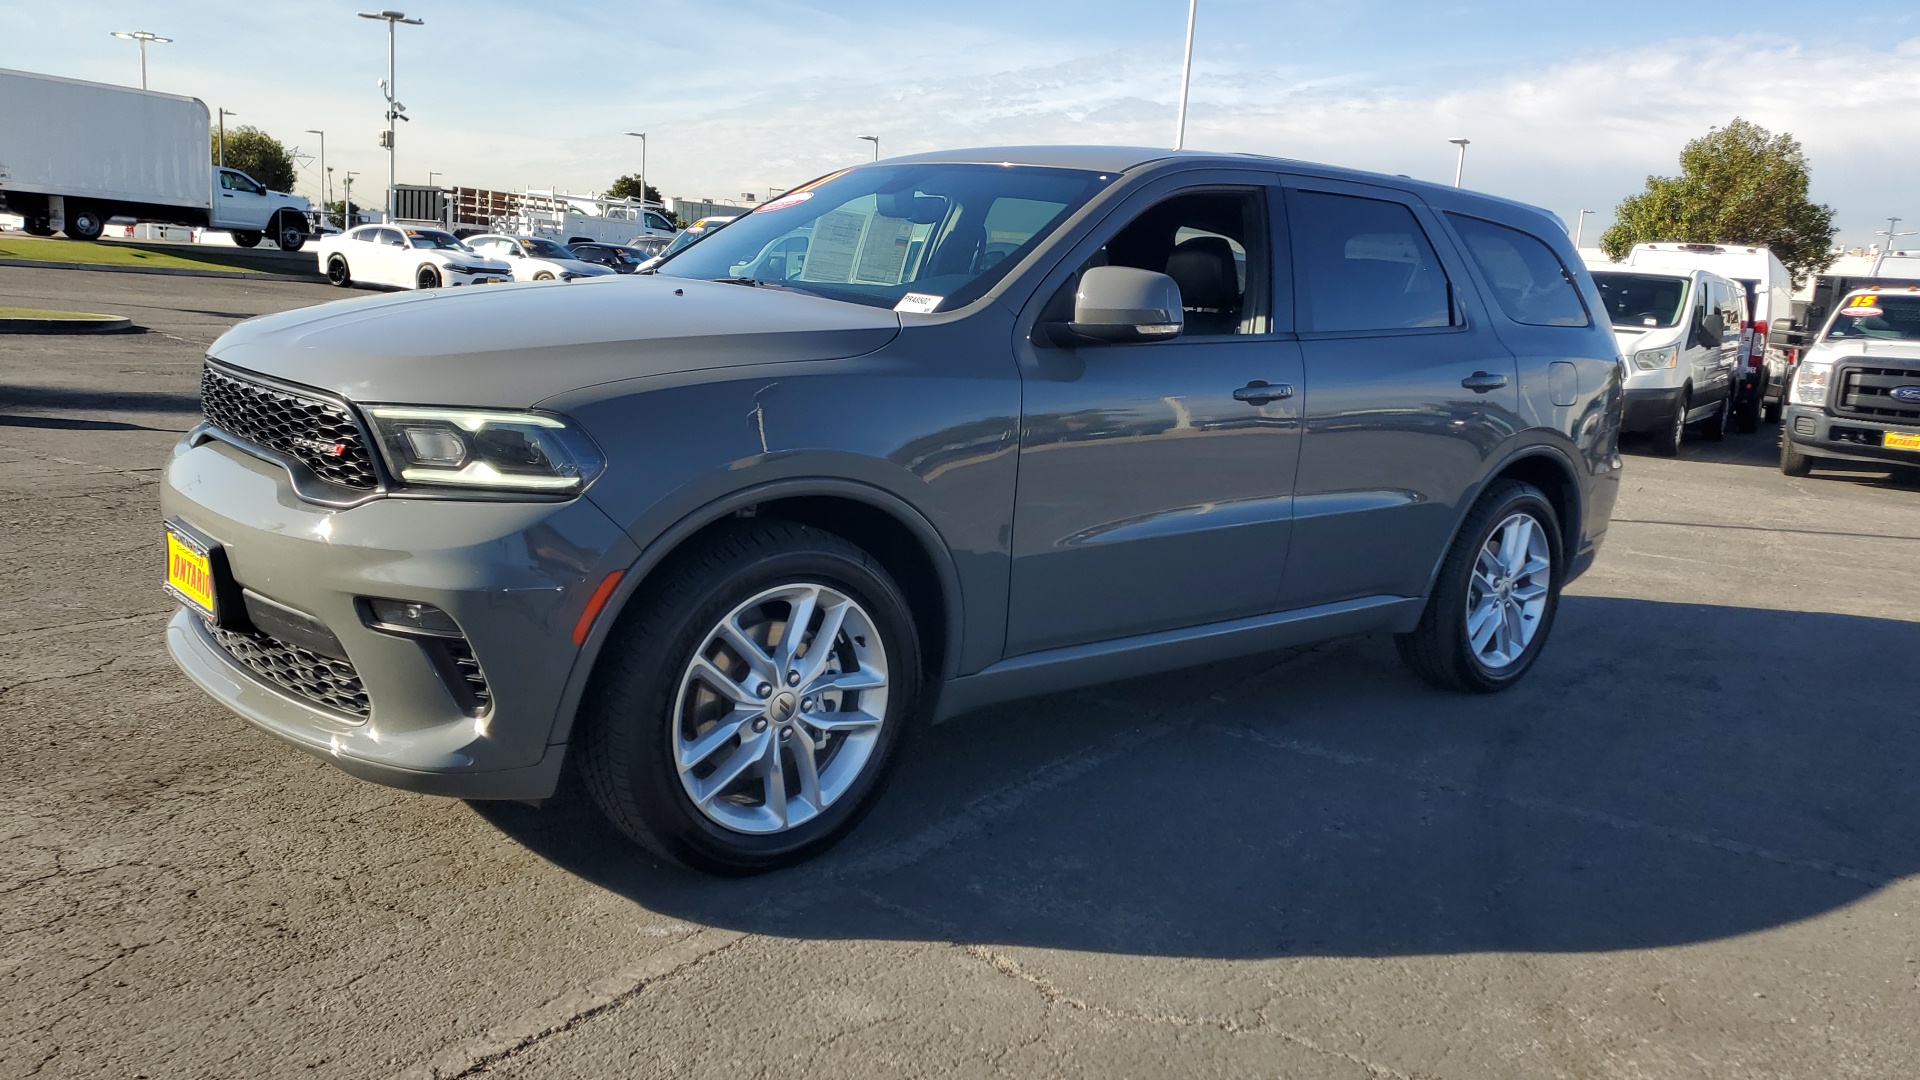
<point>512,346</point>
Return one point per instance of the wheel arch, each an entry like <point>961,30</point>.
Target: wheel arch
<point>1544,466</point>
<point>898,536</point>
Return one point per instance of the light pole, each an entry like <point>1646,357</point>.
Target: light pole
<point>142,37</point>
<point>875,140</point>
<point>1460,165</point>
<point>1891,233</point>
<point>1579,226</point>
<point>325,176</point>
<point>395,110</point>
<point>346,201</point>
<point>642,136</point>
<point>224,113</point>
<point>430,175</point>
<point>1186,78</point>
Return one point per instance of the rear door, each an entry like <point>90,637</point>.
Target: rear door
<point>1408,391</point>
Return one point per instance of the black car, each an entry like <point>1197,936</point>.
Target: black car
<point>623,260</point>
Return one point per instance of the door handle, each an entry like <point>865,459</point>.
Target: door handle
<point>1261,392</point>
<point>1480,382</point>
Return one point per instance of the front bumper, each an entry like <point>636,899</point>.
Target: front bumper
<point>1648,408</point>
<point>514,575</point>
<point>478,277</point>
<point>1819,433</point>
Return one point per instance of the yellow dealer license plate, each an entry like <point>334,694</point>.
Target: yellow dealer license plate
<point>1900,440</point>
<point>190,574</point>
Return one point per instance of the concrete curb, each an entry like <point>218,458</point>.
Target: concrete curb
<point>111,324</point>
<point>167,271</point>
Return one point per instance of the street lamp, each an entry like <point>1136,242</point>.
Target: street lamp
<point>325,176</point>
<point>1579,226</point>
<point>875,140</point>
<point>346,201</point>
<point>142,37</point>
<point>642,136</point>
<point>430,175</point>
<point>1186,77</point>
<point>1460,165</point>
<point>224,113</point>
<point>395,110</point>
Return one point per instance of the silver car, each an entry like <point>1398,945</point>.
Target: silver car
<point>919,436</point>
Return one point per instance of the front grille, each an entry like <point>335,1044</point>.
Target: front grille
<point>317,433</point>
<point>320,679</point>
<point>1864,390</point>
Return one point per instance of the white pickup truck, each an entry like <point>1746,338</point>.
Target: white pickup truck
<point>75,155</point>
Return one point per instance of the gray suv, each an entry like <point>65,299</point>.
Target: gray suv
<point>916,437</point>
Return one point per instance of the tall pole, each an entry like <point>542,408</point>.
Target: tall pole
<point>1460,165</point>
<point>1578,228</point>
<point>142,36</point>
<point>324,175</point>
<point>875,140</point>
<point>1186,78</point>
<point>395,110</point>
<point>224,113</point>
<point>642,136</point>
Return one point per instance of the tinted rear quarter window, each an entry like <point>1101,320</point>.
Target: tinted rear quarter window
<point>1365,264</point>
<point>1529,282</point>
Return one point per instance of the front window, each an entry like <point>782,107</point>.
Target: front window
<point>435,239</point>
<point>872,235</point>
<point>1877,318</point>
<point>1642,301</point>
<point>545,249</point>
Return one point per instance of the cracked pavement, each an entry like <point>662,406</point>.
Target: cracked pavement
<point>1682,848</point>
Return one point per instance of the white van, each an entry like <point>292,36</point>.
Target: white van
<point>1762,364</point>
<point>1680,332</point>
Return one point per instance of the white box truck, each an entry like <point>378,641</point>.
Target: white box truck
<point>75,155</point>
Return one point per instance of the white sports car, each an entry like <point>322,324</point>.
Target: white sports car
<point>535,259</point>
<point>408,257</point>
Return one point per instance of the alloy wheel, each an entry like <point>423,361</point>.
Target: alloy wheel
<point>780,708</point>
<point>1508,591</point>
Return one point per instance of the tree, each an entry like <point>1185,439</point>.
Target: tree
<point>257,154</point>
<point>628,187</point>
<point>1740,184</point>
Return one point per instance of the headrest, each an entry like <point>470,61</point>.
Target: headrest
<point>1205,270</point>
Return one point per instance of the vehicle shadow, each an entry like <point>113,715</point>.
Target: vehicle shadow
<point>1669,774</point>
<point>106,400</point>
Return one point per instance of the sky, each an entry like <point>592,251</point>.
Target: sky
<point>1569,106</point>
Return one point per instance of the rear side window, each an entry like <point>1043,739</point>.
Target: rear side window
<point>1529,282</point>
<point>1365,264</point>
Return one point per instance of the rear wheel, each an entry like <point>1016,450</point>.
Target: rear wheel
<point>37,226</point>
<point>338,274</point>
<point>1746,418</point>
<point>85,223</point>
<point>1496,595</point>
<point>1792,461</point>
<point>246,238</point>
<point>748,708</point>
<point>1667,437</point>
<point>427,278</point>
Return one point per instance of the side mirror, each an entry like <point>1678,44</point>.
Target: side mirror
<point>1783,326</point>
<point>1118,304</point>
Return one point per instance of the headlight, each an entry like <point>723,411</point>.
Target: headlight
<point>1655,359</point>
<point>481,449</point>
<point>1810,382</point>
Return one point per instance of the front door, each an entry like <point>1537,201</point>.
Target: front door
<point>1408,392</point>
<point>241,203</point>
<point>1149,496</point>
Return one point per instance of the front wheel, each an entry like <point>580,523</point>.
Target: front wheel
<point>1667,440</point>
<point>543,276</point>
<point>747,709</point>
<point>1715,429</point>
<point>427,278</point>
<point>338,275</point>
<point>291,235</point>
<point>1792,461</point>
<point>246,238</point>
<point>1496,595</point>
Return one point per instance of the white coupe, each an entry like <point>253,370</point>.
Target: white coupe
<point>407,257</point>
<point>535,259</point>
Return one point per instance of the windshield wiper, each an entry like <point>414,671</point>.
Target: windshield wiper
<point>749,281</point>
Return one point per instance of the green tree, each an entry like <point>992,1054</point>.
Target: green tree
<point>1740,184</point>
<point>257,154</point>
<point>628,187</point>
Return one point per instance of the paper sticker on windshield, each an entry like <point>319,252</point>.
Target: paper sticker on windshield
<point>784,201</point>
<point>1860,312</point>
<point>919,303</point>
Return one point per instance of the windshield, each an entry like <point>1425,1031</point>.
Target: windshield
<point>545,249</point>
<point>874,234</point>
<point>434,238</point>
<point>1642,301</point>
<point>1877,318</point>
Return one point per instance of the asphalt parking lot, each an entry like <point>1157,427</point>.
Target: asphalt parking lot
<point>1684,847</point>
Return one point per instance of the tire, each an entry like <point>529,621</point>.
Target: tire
<point>543,276</point>
<point>634,722</point>
<point>1441,649</point>
<point>1667,438</point>
<point>1792,461</point>
<point>339,275</point>
<point>37,226</point>
<point>1715,429</point>
<point>84,223</point>
<point>246,238</point>
<point>1771,411</point>
<point>426,278</point>
<point>291,235</point>
<point>1746,418</point>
